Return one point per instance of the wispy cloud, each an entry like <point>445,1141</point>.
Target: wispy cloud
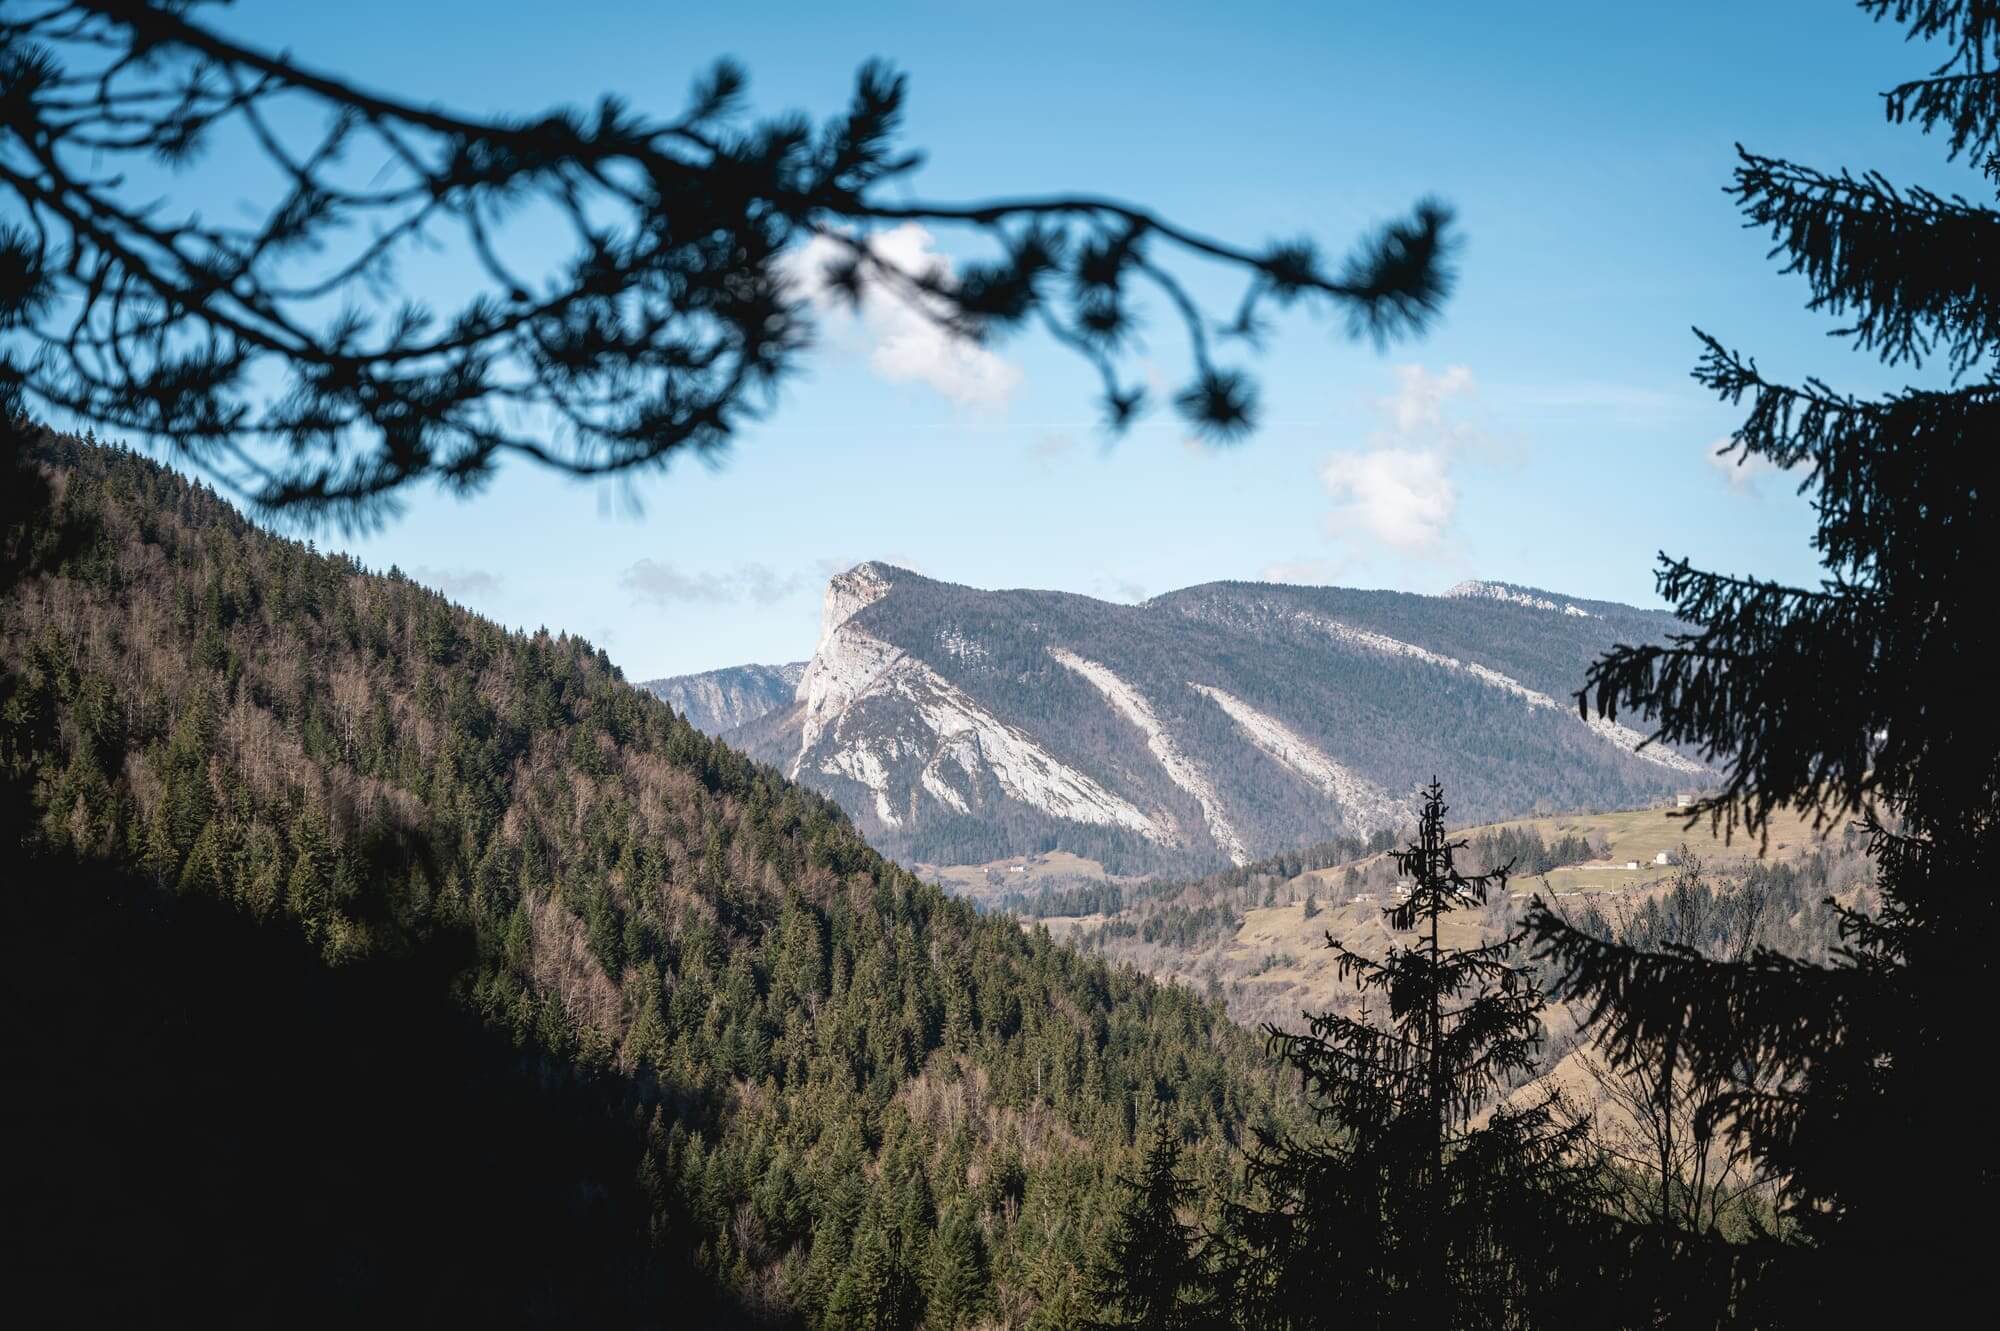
<point>662,584</point>
<point>902,342</point>
<point>1052,447</point>
<point>1112,587</point>
<point>458,583</point>
<point>1418,405</point>
<point>1398,492</point>
<point>1746,472</point>
<point>1303,572</point>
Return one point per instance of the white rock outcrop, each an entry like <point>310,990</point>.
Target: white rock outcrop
<point>1129,703</point>
<point>1624,737</point>
<point>852,667</point>
<point>1364,805</point>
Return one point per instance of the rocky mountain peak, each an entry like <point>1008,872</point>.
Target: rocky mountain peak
<point>1212,724</point>
<point>847,594</point>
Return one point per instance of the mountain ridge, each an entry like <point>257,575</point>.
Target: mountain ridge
<point>715,701</point>
<point>1206,725</point>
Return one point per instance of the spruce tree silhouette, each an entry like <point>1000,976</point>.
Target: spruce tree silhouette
<point>1852,1083</point>
<point>278,357</point>
<point>1153,1275</point>
<point>1409,1214</point>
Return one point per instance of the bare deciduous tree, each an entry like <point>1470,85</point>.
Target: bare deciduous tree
<point>1657,1119</point>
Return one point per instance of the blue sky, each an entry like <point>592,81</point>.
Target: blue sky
<point>1584,146</point>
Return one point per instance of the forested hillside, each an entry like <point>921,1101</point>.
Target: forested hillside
<point>417,964</point>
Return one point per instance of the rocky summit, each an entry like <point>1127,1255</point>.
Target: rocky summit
<point>1209,725</point>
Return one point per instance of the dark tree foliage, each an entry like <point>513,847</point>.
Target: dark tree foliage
<point>1853,700</point>
<point>278,357</point>
<point>1153,1275</point>
<point>1410,1213</point>
<point>365,961</point>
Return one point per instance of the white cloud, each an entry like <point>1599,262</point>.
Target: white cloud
<point>664,585</point>
<point>1745,472</point>
<point>1114,587</point>
<point>1403,497</point>
<point>1421,395</point>
<point>1303,572</point>
<point>458,583</point>
<point>904,344</point>
<point>1398,491</point>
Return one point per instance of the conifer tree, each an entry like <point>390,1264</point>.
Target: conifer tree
<point>202,873</point>
<point>1854,700</point>
<point>955,1275</point>
<point>869,1295</point>
<point>263,878</point>
<point>1407,1214</point>
<point>159,854</point>
<point>308,891</point>
<point>1152,1273</point>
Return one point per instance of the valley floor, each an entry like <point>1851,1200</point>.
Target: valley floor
<point>1263,943</point>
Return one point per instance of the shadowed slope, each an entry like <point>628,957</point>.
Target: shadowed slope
<point>451,917</point>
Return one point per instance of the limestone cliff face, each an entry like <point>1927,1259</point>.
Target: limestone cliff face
<point>848,660</point>
<point>716,701</point>
<point>875,715</point>
<point>1206,726</point>
<point>850,592</point>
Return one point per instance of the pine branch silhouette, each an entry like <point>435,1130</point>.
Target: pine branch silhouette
<point>280,357</point>
<point>1858,701</point>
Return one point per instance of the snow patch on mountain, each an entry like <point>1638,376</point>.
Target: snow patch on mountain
<point>958,645</point>
<point>1366,805</point>
<point>1025,770</point>
<point>939,789</point>
<point>1132,705</point>
<point>1500,591</point>
<point>861,762</point>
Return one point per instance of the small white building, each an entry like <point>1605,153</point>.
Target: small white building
<point>1631,864</point>
<point>1663,858</point>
